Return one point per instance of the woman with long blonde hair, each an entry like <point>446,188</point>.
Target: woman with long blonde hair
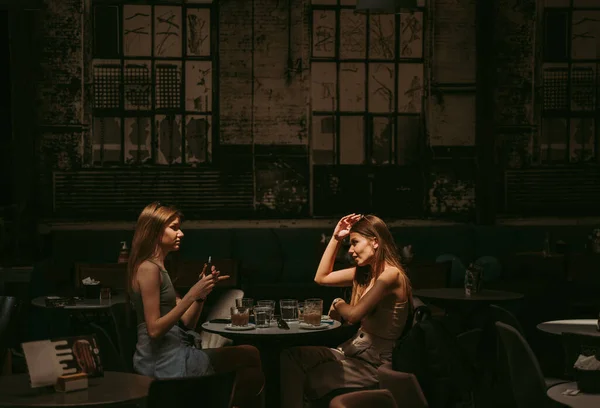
<point>165,322</point>
<point>381,302</point>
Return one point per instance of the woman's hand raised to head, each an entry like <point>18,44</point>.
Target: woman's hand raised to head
<point>342,229</point>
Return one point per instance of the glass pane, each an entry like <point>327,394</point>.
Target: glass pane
<point>198,86</point>
<point>583,87</point>
<point>411,35</point>
<point>554,140</point>
<point>585,36</point>
<point>106,140</point>
<point>353,37</point>
<point>138,140</point>
<point>410,87</point>
<point>106,32</point>
<point>555,82</point>
<point>382,42</point>
<point>107,84</point>
<point>408,133</point>
<point>352,140</point>
<point>167,31</point>
<point>168,85</point>
<point>352,86</point>
<point>381,87</point>
<point>556,37</point>
<point>323,139</point>
<point>198,31</point>
<point>137,85</point>
<point>168,136</point>
<point>381,137</point>
<point>323,88</point>
<point>198,139</point>
<point>582,144</point>
<point>137,28</point>
<point>323,35</point>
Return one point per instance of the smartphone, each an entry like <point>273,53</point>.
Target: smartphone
<point>208,266</point>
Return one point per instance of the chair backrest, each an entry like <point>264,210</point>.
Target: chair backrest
<point>215,391</point>
<point>499,314</point>
<point>526,378</point>
<point>112,275</point>
<point>368,398</point>
<point>576,344</point>
<point>9,310</point>
<point>427,275</point>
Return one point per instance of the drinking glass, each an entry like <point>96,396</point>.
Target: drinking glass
<point>245,302</point>
<point>313,310</point>
<point>240,316</point>
<point>270,304</point>
<point>289,310</point>
<point>262,316</point>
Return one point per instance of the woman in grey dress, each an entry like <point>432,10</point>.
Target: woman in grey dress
<point>165,348</point>
<point>381,303</point>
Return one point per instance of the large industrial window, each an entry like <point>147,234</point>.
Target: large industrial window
<point>570,82</point>
<point>154,83</point>
<point>366,85</point>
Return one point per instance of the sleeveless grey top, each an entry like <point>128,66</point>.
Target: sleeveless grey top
<point>168,297</point>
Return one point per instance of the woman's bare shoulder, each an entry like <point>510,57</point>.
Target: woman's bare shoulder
<point>148,271</point>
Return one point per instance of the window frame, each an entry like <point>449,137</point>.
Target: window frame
<point>182,113</point>
<point>568,113</point>
<point>367,116</point>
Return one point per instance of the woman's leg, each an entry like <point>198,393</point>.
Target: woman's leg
<point>296,366</point>
<point>245,361</point>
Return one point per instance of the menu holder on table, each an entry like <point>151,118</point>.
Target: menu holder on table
<point>47,360</point>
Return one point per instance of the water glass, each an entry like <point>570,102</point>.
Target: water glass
<point>313,310</point>
<point>240,316</point>
<point>262,316</point>
<point>245,302</point>
<point>289,310</point>
<point>268,304</point>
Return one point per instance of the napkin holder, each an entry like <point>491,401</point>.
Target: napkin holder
<point>71,382</point>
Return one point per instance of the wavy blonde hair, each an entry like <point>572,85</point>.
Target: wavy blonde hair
<point>373,227</point>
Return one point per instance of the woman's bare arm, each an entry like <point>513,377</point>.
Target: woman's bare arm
<point>387,282</point>
<point>148,279</point>
<point>325,275</point>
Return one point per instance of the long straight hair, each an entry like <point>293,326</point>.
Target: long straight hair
<point>149,230</point>
<point>373,227</point>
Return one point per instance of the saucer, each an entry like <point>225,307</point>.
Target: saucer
<point>250,326</point>
<point>311,327</point>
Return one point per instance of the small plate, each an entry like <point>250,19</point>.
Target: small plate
<point>326,319</point>
<point>250,326</point>
<point>311,327</point>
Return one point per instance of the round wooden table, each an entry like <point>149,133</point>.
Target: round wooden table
<point>270,341</point>
<point>581,400</point>
<point>83,304</point>
<point>113,389</point>
<point>578,326</point>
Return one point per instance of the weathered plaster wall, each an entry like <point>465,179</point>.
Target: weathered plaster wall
<point>514,43</point>
<point>265,88</point>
